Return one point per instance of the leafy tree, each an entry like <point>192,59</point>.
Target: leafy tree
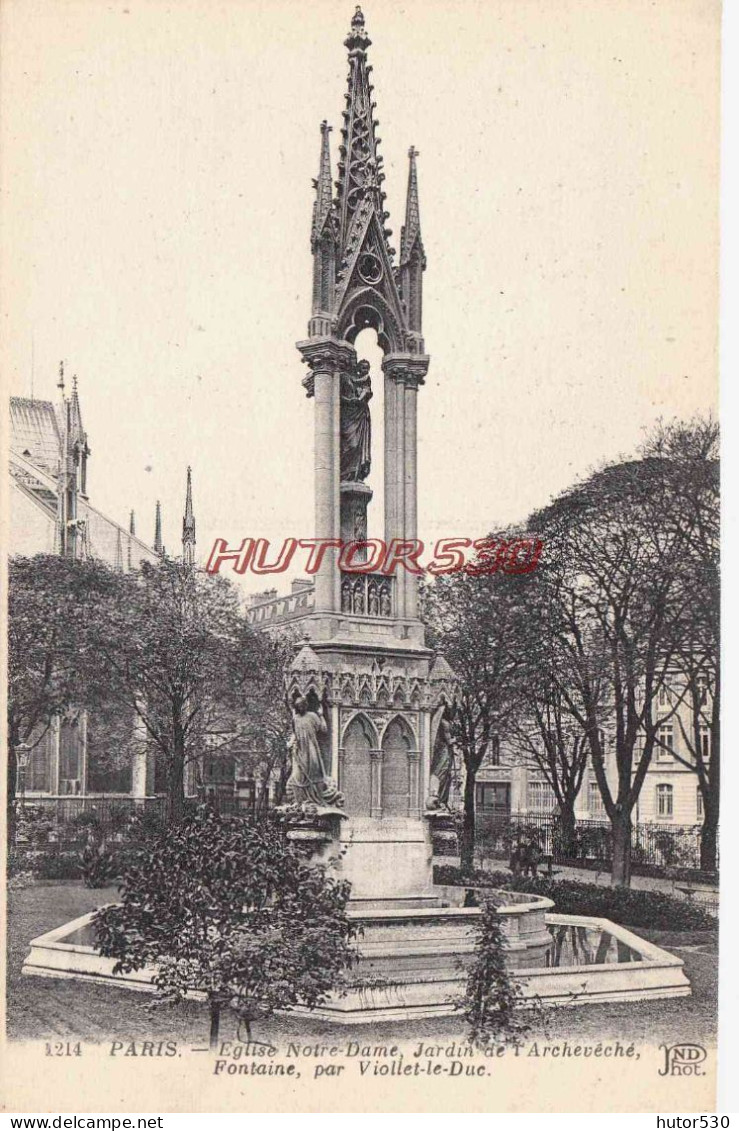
<point>473,620</point>
<point>172,647</point>
<point>51,601</point>
<point>268,724</point>
<point>229,908</point>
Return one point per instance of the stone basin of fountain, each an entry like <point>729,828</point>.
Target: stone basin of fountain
<point>413,952</point>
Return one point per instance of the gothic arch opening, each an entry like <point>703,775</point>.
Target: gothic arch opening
<point>356,766</point>
<point>397,741</point>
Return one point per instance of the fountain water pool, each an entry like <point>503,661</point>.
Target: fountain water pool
<point>412,954</point>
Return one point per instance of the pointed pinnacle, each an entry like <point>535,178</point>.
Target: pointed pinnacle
<point>132,523</point>
<point>188,495</point>
<point>412,226</point>
<point>158,547</point>
<point>188,519</point>
<point>322,185</point>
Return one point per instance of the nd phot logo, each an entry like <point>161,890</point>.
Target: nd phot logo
<point>683,1060</point>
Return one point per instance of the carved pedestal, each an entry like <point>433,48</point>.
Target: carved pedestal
<point>379,701</point>
<point>316,835</point>
<point>443,832</point>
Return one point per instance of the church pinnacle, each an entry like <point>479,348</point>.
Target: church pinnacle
<point>158,546</point>
<point>188,525</point>
<point>412,255</point>
<point>322,185</point>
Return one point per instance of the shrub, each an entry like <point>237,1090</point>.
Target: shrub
<point>491,994</point>
<point>229,908</point>
<point>17,881</point>
<point>38,831</point>
<point>145,823</point>
<point>85,819</point>
<point>628,906</point>
<point>98,864</point>
<point>49,864</point>
<point>119,817</point>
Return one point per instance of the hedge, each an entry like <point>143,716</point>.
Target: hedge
<point>630,907</point>
<point>68,864</point>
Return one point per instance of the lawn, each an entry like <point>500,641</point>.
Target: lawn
<point>41,1008</point>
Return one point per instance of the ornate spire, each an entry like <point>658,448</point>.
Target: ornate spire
<point>158,547</point>
<point>76,427</point>
<point>322,185</point>
<point>356,284</point>
<point>188,525</point>
<point>132,523</point>
<point>360,166</point>
<point>412,256</point>
<point>411,231</point>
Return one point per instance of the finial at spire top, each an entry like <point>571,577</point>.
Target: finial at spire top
<point>60,382</point>
<point>357,38</point>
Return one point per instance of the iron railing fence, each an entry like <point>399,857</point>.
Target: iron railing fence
<point>652,845</point>
<point>51,820</point>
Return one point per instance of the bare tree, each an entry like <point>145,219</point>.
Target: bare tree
<point>617,585</point>
<point>473,621</point>
<point>691,450</point>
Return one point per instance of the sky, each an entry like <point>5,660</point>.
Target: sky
<point>156,208</point>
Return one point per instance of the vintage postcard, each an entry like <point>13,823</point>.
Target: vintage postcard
<point>361,539</point>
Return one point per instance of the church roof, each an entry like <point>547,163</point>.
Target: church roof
<point>305,661</point>
<point>36,440</point>
<point>35,433</point>
<point>441,670</point>
<point>108,541</point>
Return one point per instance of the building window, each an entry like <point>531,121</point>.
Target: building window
<point>540,797</point>
<point>665,742</point>
<point>596,808</point>
<point>494,798</point>
<point>663,696</point>
<point>699,804</point>
<point>38,770</point>
<point>494,751</point>
<point>701,685</point>
<point>664,802</point>
<point>704,737</point>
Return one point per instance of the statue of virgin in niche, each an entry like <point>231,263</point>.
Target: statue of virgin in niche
<point>356,425</point>
<point>309,782</point>
<point>442,756</point>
